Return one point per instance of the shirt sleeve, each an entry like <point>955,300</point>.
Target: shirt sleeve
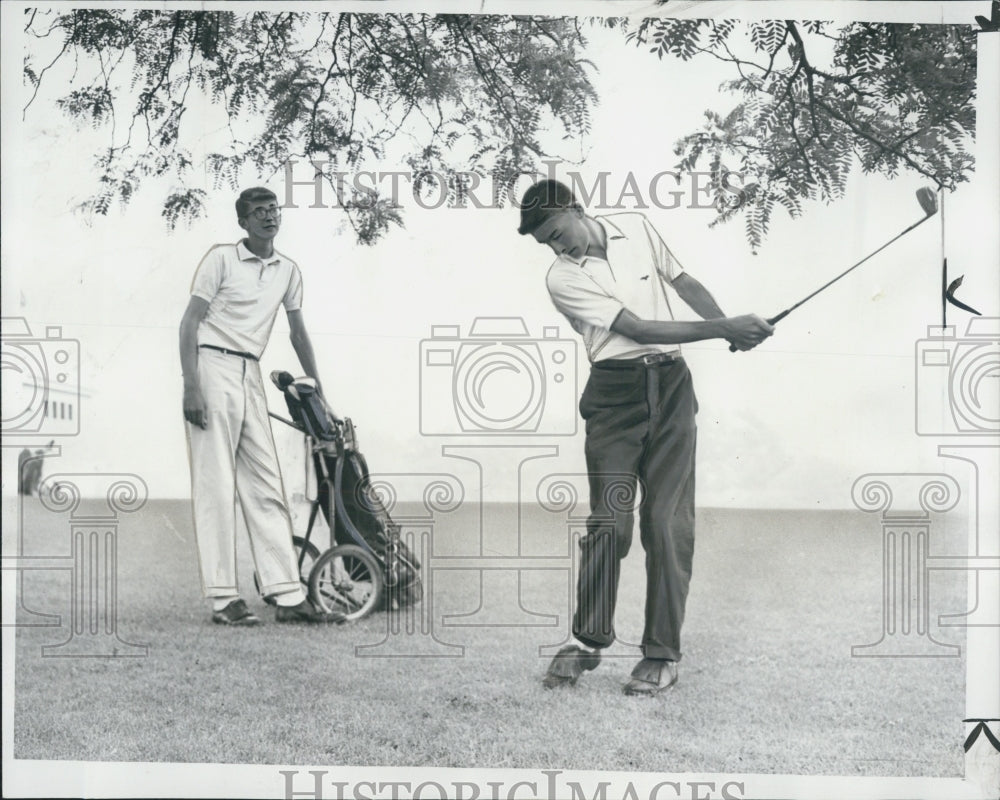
<point>208,277</point>
<point>293,294</point>
<point>580,297</point>
<point>666,265</point>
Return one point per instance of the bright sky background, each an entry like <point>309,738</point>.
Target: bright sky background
<point>791,425</point>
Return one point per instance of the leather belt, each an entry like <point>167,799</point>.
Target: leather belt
<point>659,358</point>
<point>652,360</point>
<point>229,352</point>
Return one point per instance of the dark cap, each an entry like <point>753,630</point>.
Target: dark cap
<point>541,201</point>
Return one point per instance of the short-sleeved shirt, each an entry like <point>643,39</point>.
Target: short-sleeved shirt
<point>592,292</point>
<point>244,292</point>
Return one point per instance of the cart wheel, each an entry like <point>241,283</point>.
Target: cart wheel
<point>305,561</point>
<point>346,579</point>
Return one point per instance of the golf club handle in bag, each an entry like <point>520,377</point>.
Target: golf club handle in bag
<point>772,321</point>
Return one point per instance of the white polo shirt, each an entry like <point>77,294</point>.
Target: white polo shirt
<point>592,292</point>
<point>244,292</point>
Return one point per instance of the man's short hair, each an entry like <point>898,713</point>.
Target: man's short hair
<point>256,194</point>
<point>541,201</point>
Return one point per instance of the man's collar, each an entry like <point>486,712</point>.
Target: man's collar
<point>245,255</point>
<point>607,223</point>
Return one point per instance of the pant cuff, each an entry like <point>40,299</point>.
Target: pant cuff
<point>594,643</point>
<point>659,651</point>
<point>220,591</point>
<point>280,588</point>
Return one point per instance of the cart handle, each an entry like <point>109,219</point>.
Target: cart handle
<point>288,422</point>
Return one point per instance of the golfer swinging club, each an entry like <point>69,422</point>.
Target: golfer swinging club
<point>234,299</point>
<point>639,407</point>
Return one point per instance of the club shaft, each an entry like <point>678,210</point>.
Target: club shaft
<point>778,317</point>
<point>826,285</point>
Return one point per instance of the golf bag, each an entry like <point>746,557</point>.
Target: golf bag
<point>353,509</point>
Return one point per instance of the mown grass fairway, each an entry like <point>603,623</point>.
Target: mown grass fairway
<point>767,683</point>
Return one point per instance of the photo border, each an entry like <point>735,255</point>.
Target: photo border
<point>31,778</point>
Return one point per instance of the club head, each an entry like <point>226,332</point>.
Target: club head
<point>282,379</point>
<point>928,200</point>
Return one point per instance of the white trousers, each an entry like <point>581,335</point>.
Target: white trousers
<point>234,463</point>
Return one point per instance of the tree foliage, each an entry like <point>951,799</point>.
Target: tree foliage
<point>447,94</point>
<point>450,92</point>
<point>817,99</point>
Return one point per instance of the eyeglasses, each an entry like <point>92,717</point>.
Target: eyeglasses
<point>263,213</point>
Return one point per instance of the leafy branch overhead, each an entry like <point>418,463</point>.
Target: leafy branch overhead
<point>817,99</point>
<point>443,93</point>
<point>446,94</point>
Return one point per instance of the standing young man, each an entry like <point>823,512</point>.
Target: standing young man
<point>639,406</point>
<point>234,299</point>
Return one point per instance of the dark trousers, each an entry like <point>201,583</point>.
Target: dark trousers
<point>640,427</point>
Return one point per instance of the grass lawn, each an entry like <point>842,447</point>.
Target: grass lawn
<point>767,683</point>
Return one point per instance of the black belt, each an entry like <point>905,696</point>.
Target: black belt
<point>652,360</point>
<point>229,352</point>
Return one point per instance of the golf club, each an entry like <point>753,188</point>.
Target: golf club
<point>928,202</point>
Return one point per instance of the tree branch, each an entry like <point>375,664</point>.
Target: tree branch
<point>38,81</point>
<point>774,53</point>
<point>810,72</point>
<point>497,96</point>
<point>878,143</point>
